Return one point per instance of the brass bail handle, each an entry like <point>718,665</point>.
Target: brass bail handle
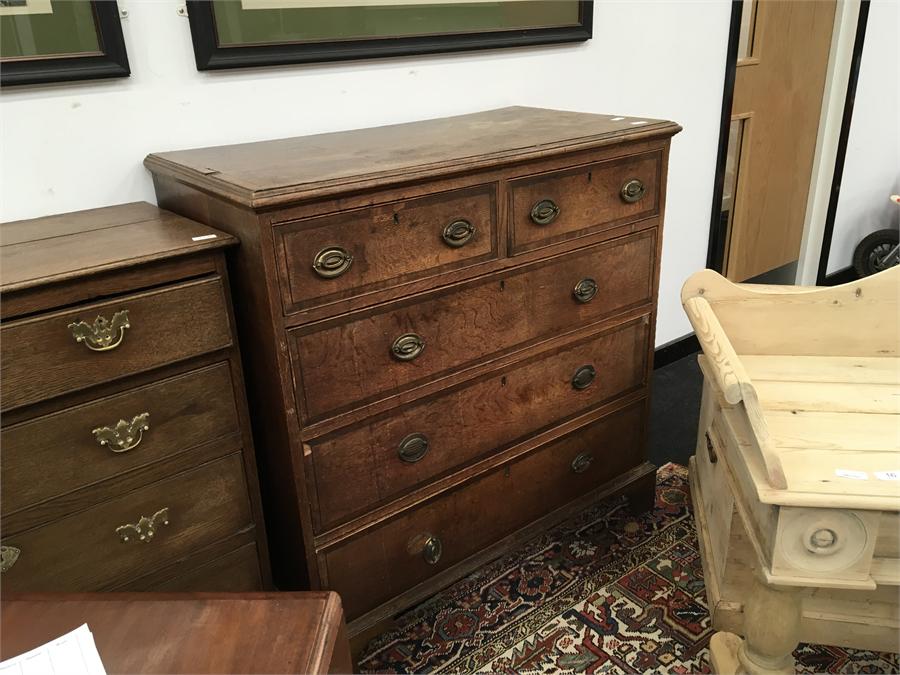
<point>413,448</point>
<point>124,435</point>
<point>103,334</point>
<point>544,212</point>
<point>407,347</point>
<point>632,191</point>
<point>332,262</point>
<point>458,233</point>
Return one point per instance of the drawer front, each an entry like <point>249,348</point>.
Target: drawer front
<point>378,352</point>
<point>333,257</point>
<point>562,205</point>
<point>41,357</point>
<point>62,452</point>
<point>234,572</point>
<point>394,557</point>
<point>87,551</point>
<point>409,447</point>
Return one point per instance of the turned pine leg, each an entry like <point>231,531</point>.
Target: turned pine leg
<point>771,632</point>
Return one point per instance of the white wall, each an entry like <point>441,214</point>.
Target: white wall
<point>69,147</point>
<point>872,164</point>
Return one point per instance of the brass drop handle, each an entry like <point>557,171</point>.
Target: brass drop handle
<point>431,551</point>
<point>407,347</point>
<point>632,191</point>
<point>413,448</point>
<point>145,529</point>
<point>544,212</point>
<point>332,262</point>
<point>584,377</point>
<point>124,436</point>
<point>8,557</point>
<point>458,233</point>
<point>102,335</point>
<point>582,462</point>
<point>585,290</point>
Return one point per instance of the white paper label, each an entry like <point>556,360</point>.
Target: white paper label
<point>887,475</point>
<point>204,237</point>
<point>850,473</point>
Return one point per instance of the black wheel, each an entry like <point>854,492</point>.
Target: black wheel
<point>876,252</point>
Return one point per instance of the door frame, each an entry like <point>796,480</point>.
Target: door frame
<point>841,77</point>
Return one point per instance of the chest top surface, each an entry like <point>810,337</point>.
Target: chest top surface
<point>70,246</point>
<point>275,172</point>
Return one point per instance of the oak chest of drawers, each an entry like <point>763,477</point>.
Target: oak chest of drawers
<point>127,461</point>
<point>448,327</point>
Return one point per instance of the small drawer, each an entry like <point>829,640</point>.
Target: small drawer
<point>88,551</point>
<point>73,349</point>
<point>409,447</point>
<point>554,207</point>
<point>417,544</point>
<point>374,353</point>
<point>333,257</point>
<point>64,451</point>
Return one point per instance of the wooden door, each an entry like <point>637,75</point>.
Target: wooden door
<point>779,83</point>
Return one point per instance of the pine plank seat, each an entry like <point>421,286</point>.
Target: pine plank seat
<point>796,474</point>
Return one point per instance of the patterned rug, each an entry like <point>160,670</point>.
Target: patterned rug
<point>605,592</point>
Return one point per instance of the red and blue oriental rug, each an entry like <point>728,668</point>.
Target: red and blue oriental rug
<point>605,592</point>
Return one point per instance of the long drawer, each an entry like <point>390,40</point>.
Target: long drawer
<point>64,451</point>
<point>373,353</point>
<point>234,572</point>
<point>332,257</point>
<point>415,444</point>
<point>73,349</point>
<point>391,558</point>
<point>133,534</point>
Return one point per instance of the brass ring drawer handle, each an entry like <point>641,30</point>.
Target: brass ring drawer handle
<point>124,436</point>
<point>103,334</point>
<point>632,191</point>
<point>544,212</point>
<point>145,529</point>
<point>582,462</point>
<point>458,233</point>
<point>8,557</point>
<point>413,448</point>
<point>407,347</point>
<point>431,551</point>
<point>332,262</point>
<point>583,377</point>
<point>585,290</point>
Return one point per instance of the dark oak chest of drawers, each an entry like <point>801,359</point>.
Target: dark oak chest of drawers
<point>448,327</point>
<point>126,459</point>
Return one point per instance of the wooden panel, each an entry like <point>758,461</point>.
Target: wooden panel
<point>390,244</point>
<point>84,552</point>
<point>388,559</point>
<point>234,572</point>
<point>41,359</point>
<point>824,369</point>
<point>349,363</point>
<point>491,413</point>
<point>791,46</point>
<point>188,633</point>
<point>828,432</point>
<point>588,198</point>
<point>855,397</point>
<point>285,170</point>
<point>57,453</point>
<point>86,243</point>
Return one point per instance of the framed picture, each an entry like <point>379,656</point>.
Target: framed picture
<point>242,33</point>
<point>60,40</point>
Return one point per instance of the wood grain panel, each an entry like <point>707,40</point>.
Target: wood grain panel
<point>390,244</point>
<point>350,363</point>
<point>41,359</point>
<point>588,199</point>
<point>491,413</point>
<point>387,560</point>
<point>57,453</point>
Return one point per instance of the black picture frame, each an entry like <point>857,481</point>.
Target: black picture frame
<point>210,56</point>
<point>112,62</point>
